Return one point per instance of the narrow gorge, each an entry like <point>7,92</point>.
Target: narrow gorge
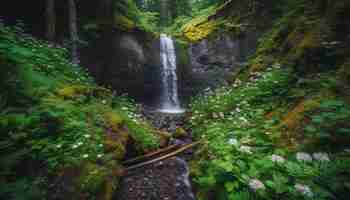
<point>175,100</point>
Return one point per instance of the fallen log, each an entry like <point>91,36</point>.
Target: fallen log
<point>150,155</point>
<point>172,154</point>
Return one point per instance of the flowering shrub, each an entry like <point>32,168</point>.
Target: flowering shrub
<point>242,159</point>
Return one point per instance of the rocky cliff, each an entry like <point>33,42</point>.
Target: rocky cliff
<point>127,61</point>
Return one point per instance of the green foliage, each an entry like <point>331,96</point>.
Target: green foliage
<point>146,20</point>
<point>23,189</point>
<point>53,115</point>
<point>331,114</point>
<point>241,151</point>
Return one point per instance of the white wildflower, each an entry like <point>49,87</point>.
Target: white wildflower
<point>85,155</point>
<point>243,119</point>
<point>301,156</point>
<point>75,146</point>
<point>99,155</point>
<point>256,184</point>
<point>59,146</point>
<point>80,143</point>
<point>233,141</point>
<point>321,156</point>
<point>246,149</point>
<point>303,189</point>
<point>87,136</point>
<point>104,101</point>
<point>277,65</point>
<point>238,110</point>
<point>277,158</point>
<point>100,145</point>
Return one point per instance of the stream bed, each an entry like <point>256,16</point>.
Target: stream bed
<point>164,180</point>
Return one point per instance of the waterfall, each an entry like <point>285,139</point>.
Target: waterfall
<point>169,94</point>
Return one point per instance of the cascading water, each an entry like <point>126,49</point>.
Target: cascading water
<point>169,94</point>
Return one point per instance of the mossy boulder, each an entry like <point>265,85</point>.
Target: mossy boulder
<point>163,138</point>
<point>115,143</point>
<point>93,178</point>
<point>71,91</point>
<point>113,121</point>
<point>180,132</point>
<point>90,180</point>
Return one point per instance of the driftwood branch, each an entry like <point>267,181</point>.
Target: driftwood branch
<point>150,155</point>
<point>172,154</point>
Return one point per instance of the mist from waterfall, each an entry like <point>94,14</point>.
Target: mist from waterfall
<point>169,95</point>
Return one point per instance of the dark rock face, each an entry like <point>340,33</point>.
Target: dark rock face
<point>128,62</point>
<point>222,52</point>
<point>213,61</point>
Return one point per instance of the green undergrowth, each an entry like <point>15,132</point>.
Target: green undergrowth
<point>188,25</point>
<point>280,131</point>
<point>55,119</point>
<point>127,17</point>
<point>250,153</point>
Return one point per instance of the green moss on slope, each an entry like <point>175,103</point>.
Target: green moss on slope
<point>54,117</point>
<point>291,98</point>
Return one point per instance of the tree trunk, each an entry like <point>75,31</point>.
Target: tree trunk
<point>73,29</point>
<point>50,20</point>
<point>107,14</point>
<point>165,14</point>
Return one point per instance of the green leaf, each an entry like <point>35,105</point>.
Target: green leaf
<point>230,186</point>
<point>270,184</point>
<point>344,130</point>
<point>310,129</point>
<point>226,165</point>
<point>207,181</point>
<point>317,119</point>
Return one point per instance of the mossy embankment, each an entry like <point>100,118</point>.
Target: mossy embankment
<point>62,135</point>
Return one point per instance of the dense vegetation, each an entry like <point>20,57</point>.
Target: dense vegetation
<point>56,119</point>
<point>279,130</point>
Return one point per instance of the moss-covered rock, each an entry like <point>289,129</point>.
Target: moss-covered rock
<point>87,181</point>
<point>113,121</point>
<point>71,91</point>
<point>164,138</point>
<point>180,132</point>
